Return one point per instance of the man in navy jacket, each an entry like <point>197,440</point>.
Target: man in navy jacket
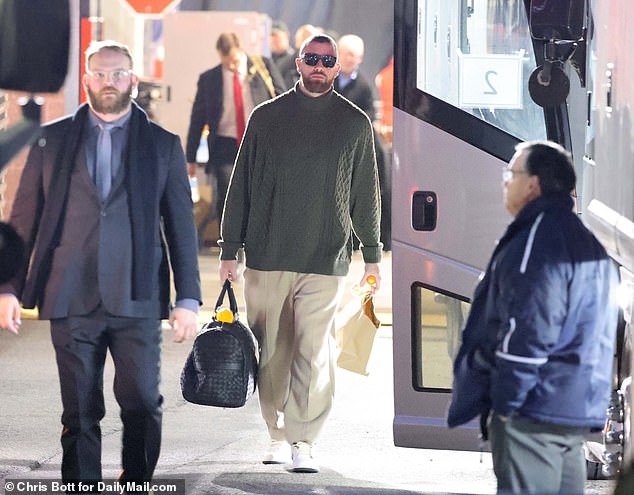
<point>538,344</point>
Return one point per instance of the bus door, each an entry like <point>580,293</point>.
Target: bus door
<point>461,105</point>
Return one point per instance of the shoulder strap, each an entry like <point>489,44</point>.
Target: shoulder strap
<point>260,68</point>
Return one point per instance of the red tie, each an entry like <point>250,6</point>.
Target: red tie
<point>237,100</point>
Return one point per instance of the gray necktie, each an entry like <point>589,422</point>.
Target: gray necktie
<point>103,171</point>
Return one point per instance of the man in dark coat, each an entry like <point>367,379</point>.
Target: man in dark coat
<point>105,210</point>
<point>351,82</point>
<point>225,97</point>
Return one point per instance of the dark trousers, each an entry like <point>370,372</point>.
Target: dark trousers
<point>81,344</point>
<point>219,177</point>
<point>218,170</point>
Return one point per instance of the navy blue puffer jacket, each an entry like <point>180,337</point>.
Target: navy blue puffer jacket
<point>539,340</point>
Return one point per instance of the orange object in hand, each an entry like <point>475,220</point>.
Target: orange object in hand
<point>371,280</point>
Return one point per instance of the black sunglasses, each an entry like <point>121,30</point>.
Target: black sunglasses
<point>313,59</point>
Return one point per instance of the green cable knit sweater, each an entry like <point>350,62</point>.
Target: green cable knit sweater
<point>305,176</point>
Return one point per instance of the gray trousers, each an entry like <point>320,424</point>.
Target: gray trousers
<point>539,458</point>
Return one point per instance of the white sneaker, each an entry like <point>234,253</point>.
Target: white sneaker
<point>303,460</point>
<point>278,453</point>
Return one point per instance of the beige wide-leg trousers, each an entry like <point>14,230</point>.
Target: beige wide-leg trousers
<point>292,315</point>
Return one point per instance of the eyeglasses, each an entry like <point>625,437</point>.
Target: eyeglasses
<point>508,173</point>
<point>313,59</point>
<point>114,75</point>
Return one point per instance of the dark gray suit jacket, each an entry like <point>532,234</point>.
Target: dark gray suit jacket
<point>91,259</point>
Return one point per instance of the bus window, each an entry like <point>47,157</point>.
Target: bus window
<point>438,321</point>
<point>478,56</point>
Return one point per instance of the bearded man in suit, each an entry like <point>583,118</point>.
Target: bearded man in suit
<point>104,208</point>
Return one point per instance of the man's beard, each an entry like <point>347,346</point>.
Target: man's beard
<point>317,86</point>
<point>118,105</point>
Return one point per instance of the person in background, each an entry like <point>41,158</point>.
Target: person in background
<point>225,96</point>
<point>538,344</point>
<point>282,53</point>
<point>302,33</point>
<point>104,207</point>
<point>304,178</point>
<point>352,84</point>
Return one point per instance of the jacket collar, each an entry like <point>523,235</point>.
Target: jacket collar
<point>551,201</point>
<point>526,216</point>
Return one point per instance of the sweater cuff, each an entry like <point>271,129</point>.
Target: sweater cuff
<point>7,288</point>
<point>371,254</point>
<point>229,250</point>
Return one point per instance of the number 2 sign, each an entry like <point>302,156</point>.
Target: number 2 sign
<point>490,81</point>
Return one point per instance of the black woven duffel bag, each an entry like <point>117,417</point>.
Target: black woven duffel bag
<point>221,369</point>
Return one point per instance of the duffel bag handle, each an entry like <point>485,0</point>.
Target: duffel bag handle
<point>228,289</point>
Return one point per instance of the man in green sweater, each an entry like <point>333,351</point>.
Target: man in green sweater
<point>305,176</point>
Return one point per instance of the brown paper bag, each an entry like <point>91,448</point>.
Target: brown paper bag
<point>356,337</point>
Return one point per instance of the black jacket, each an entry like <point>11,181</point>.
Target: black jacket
<point>207,107</point>
<point>359,91</point>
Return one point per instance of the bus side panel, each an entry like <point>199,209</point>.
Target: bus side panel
<point>610,176</point>
<point>419,415</point>
<point>468,185</point>
<point>614,131</point>
<point>446,260</point>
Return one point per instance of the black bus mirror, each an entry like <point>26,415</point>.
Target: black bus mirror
<point>557,19</point>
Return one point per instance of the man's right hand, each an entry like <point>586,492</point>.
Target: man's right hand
<point>10,313</point>
<point>191,169</point>
<point>228,269</point>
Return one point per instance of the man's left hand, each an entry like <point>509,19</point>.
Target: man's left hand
<point>371,270</point>
<point>184,322</point>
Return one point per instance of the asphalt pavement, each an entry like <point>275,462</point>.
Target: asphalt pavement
<point>218,451</point>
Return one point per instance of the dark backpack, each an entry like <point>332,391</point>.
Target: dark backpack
<point>221,369</point>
